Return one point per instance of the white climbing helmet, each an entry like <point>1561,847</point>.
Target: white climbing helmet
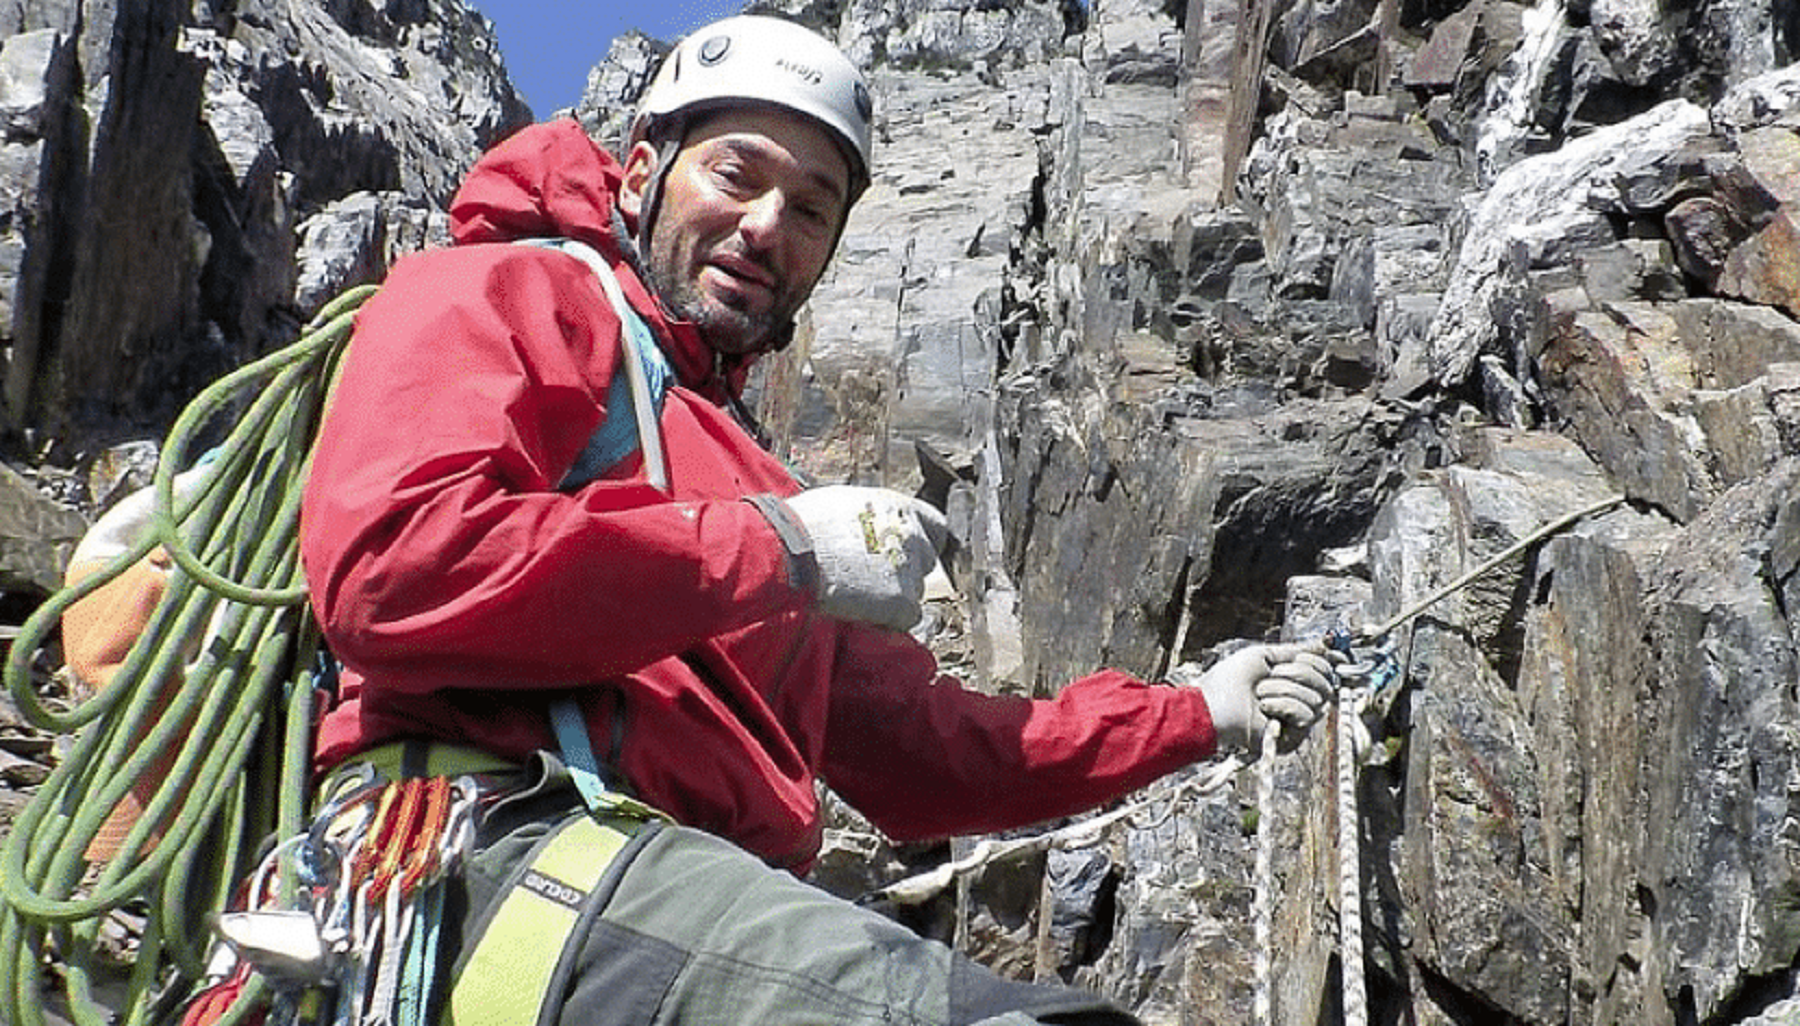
<point>756,59</point>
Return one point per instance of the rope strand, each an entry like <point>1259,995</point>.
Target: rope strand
<point>1263,905</point>
<point>922,887</point>
<point>1349,844</point>
<point>1385,628</point>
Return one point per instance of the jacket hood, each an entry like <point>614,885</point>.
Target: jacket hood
<point>551,181</point>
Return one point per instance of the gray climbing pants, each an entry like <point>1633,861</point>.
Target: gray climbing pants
<point>687,929</point>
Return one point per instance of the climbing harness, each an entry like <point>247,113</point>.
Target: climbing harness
<point>361,945</point>
<point>245,699</point>
<point>511,971</point>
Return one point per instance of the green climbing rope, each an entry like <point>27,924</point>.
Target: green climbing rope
<point>219,682</point>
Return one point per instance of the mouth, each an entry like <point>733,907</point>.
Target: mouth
<point>743,274</point>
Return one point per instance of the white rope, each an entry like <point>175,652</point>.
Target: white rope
<point>1350,938</point>
<point>1487,566</point>
<point>922,887</point>
<point>1263,903</point>
<point>1352,741</point>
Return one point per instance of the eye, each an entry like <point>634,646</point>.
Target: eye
<point>817,210</point>
<point>732,175</point>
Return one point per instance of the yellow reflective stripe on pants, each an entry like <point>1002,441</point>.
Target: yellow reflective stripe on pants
<point>507,976</point>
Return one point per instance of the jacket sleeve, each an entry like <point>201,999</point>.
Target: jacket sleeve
<point>923,757</point>
<point>436,546</point>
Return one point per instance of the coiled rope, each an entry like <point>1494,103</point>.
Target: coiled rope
<point>233,714</point>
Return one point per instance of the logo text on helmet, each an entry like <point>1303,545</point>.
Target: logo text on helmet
<point>805,72</point>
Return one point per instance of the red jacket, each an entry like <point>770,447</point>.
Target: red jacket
<point>462,591</point>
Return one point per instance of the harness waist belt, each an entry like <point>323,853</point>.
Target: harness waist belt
<point>401,759</point>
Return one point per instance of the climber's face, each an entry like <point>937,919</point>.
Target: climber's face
<point>749,214</point>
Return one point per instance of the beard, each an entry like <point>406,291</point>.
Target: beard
<point>727,323</point>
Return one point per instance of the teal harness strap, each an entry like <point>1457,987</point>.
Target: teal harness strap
<point>420,977</point>
<point>578,754</point>
<point>640,389</point>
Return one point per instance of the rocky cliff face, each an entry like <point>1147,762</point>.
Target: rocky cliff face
<point>1208,320</point>
<point>1294,314</point>
<point>184,183</point>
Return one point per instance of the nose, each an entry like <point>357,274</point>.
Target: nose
<point>760,223</point>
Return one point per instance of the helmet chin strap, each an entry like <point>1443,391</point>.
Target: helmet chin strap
<point>665,162</point>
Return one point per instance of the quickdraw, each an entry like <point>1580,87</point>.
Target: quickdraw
<point>356,941</point>
<point>1371,667</point>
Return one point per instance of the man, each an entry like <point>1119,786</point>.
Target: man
<point>491,566</point>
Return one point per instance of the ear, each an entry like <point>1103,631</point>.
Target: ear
<point>640,168</point>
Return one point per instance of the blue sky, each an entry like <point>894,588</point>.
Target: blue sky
<point>549,45</point>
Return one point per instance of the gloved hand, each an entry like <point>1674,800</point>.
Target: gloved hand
<point>873,547</point>
<point>1247,688</point>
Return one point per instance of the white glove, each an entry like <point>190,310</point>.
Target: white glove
<point>873,547</point>
<point>1246,689</point>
